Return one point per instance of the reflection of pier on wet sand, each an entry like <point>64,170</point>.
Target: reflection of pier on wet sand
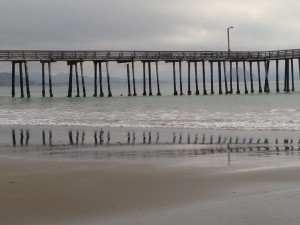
<point>146,143</point>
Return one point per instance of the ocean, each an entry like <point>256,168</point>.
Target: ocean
<point>269,112</point>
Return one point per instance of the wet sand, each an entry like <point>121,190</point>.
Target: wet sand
<point>124,192</point>
<point>53,176</point>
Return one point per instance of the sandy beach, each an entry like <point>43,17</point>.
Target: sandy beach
<point>40,191</point>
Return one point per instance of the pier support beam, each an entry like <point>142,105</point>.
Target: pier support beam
<point>212,78</point>
<point>287,76</point>
<point>100,80</point>
<point>82,79</point>
<point>50,79</point>
<point>128,80</point>
<point>225,77</point>
<point>196,78</point>
<point>251,76</point>
<point>277,76</point>
<point>144,79</point>
<point>13,79</point>
<point>174,79</point>
<point>21,80</point>
<point>180,77</point>
<point>237,77</point>
<point>27,80</point>
<point>203,78</point>
<point>292,73</point>
<point>108,80</point>
<point>77,80</point>
<point>189,78</point>
<point>230,73</point>
<point>266,87</point>
<point>245,80</point>
<point>157,79</point>
<point>95,79</point>
<point>133,78</point>
<point>259,80</point>
<point>220,78</point>
<point>70,80</point>
<point>150,78</point>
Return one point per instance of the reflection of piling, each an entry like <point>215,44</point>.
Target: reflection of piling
<point>13,133</point>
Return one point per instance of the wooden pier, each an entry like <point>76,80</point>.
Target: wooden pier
<point>148,58</point>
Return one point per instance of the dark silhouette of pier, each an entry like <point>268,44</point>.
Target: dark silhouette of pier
<point>101,60</point>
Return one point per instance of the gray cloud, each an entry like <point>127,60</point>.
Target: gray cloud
<point>149,25</point>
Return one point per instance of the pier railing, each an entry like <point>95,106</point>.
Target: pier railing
<point>44,55</point>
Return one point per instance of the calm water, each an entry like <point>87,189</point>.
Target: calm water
<point>226,112</point>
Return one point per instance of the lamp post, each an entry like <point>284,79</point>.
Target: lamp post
<point>228,38</point>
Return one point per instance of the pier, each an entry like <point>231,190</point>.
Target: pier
<point>224,60</point>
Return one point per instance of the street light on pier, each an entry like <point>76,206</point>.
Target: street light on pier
<point>228,38</point>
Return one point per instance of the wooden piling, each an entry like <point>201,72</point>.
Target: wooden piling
<point>95,79</point>
<point>43,79</point>
<point>157,79</point>
<point>133,78</point>
<point>277,76</point>
<point>245,80</point>
<point>70,80</point>
<point>128,80</point>
<point>259,80</point>
<point>13,78</point>
<point>144,79</point>
<point>21,80</point>
<point>287,71</point>
<point>50,79</point>
<point>174,79</point>
<point>196,78</point>
<point>27,80</point>
<point>211,78</point>
<point>189,78</point>
<point>100,80</point>
<point>251,76</point>
<point>82,79</point>
<point>230,73</point>
<point>225,77</point>
<point>203,78</point>
<point>180,77</point>
<point>220,78</point>
<point>150,78</point>
<point>77,79</point>
<point>108,80</point>
<point>237,77</point>
<point>292,73</point>
<point>266,87</point>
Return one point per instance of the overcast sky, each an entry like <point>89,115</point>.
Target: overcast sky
<point>149,25</point>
